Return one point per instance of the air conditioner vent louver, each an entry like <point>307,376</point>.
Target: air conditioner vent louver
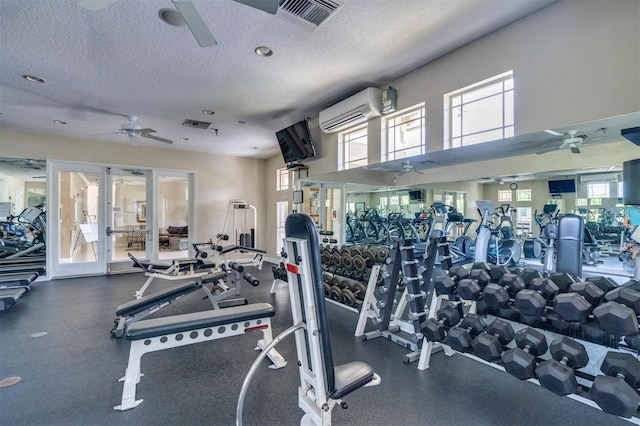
<point>308,13</point>
<point>195,124</point>
<point>349,112</point>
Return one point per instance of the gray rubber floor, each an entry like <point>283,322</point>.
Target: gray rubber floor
<point>69,376</point>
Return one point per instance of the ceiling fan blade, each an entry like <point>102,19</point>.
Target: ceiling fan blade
<point>575,150</point>
<point>95,5</point>
<point>546,149</point>
<point>146,131</point>
<point>156,138</point>
<point>418,172</point>
<point>195,23</point>
<point>269,6</point>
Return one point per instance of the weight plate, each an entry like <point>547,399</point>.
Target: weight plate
<point>347,262</point>
<point>369,258</point>
<point>344,249</point>
<point>381,254</point>
<point>335,282</point>
<point>336,259</point>
<point>335,293</point>
<point>335,249</point>
<point>359,290</point>
<point>345,284</point>
<point>326,257</point>
<point>327,290</point>
<point>359,263</point>
<point>348,298</point>
<point>356,250</point>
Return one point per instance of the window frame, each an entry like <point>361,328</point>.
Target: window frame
<point>281,185</point>
<point>507,111</point>
<point>520,194</point>
<point>344,148</point>
<point>393,122</point>
<point>502,195</point>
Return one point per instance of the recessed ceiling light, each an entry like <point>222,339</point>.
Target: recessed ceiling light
<point>59,122</point>
<point>172,17</point>
<point>254,147</point>
<point>184,139</point>
<point>33,78</point>
<point>263,51</point>
<point>208,111</point>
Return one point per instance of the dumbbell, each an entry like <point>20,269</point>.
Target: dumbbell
<point>381,254</point>
<point>496,296</point>
<point>546,287</point>
<point>488,344</point>
<point>444,285</point>
<point>352,292</point>
<point>482,276</point>
<point>624,296</point>
<point>605,284</point>
<point>616,393</point>
<point>458,272</point>
<point>497,272</point>
<point>529,274</point>
<point>459,337</point>
<point>557,374</point>
<point>588,290</point>
<point>572,307</point>
<point>435,329</point>
<point>521,361</point>
<point>616,319</point>
<point>563,280</point>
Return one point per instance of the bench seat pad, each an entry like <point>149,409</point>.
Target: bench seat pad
<point>350,377</point>
<point>150,300</point>
<point>197,320</point>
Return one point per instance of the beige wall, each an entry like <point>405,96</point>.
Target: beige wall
<point>573,62</point>
<point>218,178</point>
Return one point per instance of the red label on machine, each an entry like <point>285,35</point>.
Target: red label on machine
<point>293,268</point>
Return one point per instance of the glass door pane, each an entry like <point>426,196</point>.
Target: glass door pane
<point>128,216</point>
<point>173,216</point>
<point>77,241</point>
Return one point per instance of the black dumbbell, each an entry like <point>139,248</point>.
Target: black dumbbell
<point>521,361</point>
<point>496,296</point>
<point>572,307</point>
<point>547,288</point>
<point>497,272</point>
<point>616,393</point>
<point>468,289</point>
<point>624,296</point>
<point>589,291</point>
<point>529,274</point>
<point>459,337</point>
<point>562,280</point>
<point>605,284</point>
<point>488,344</point>
<point>458,272</point>
<point>616,319</point>
<point>352,292</point>
<point>435,329</point>
<point>444,285</point>
<point>482,276</point>
<point>557,374</point>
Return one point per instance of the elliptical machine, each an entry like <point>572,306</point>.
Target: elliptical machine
<point>534,247</point>
<point>489,247</point>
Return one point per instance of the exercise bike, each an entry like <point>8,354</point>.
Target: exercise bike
<point>496,245</point>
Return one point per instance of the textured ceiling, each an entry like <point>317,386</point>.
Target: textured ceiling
<point>123,60</point>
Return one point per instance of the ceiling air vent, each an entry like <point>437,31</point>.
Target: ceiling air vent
<point>308,13</point>
<point>195,124</point>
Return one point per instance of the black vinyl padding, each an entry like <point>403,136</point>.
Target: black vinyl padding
<point>197,320</point>
<point>345,378</point>
<point>150,300</point>
<point>212,278</point>
<point>570,235</point>
<point>228,249</point>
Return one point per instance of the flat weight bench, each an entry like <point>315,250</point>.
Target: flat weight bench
<point>13,287</point>
<point>181,330</point>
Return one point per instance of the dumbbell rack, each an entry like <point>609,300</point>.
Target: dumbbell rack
<point>387,319</point>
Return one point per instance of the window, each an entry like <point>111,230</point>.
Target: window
<point>282,211</point>
<point>523,220</point>
<point>480,113</point>
<point>404,200</point>
<point>282,180</point>
<point>581,201</point>
<point>523,195</point>
<point>598,190</point>
<point>405,134</point>
<point>383,201</point>
<point>353,149</point>
<point>394,200</point>
<point>504,195</point>
<point>595,201</point>
<point>620,189</point>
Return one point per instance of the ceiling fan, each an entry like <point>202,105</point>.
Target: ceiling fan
<point>407,167</point>
<point>572,140</point>
<point>188,15</point>
<point>131,129</point>
<point>24,163</point>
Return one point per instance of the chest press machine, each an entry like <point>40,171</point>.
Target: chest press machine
<point>322,385</point>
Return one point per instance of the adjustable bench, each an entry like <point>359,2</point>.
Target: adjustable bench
<point>13,287</point>
<point>181,330</point>
<point>322,385</point>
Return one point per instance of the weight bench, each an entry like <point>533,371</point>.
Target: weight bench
<point>170,332</point>
<point>177,270</point>
<point>257,260</point>
<point>322,385</point>
<point>13,287</point>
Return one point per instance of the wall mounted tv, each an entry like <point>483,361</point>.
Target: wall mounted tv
<point>562,186</point>
<point>295,142</point>
<point>416,195</point>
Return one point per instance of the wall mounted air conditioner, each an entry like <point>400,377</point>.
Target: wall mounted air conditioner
<point>599,177</point>
<point>352,111</point>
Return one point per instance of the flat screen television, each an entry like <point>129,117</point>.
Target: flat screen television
<point>416,195</point>
<point>562,186</point>
<point>295,142</point>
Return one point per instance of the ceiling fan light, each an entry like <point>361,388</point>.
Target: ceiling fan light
<point>33,78</point>
<point>263,51</point>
